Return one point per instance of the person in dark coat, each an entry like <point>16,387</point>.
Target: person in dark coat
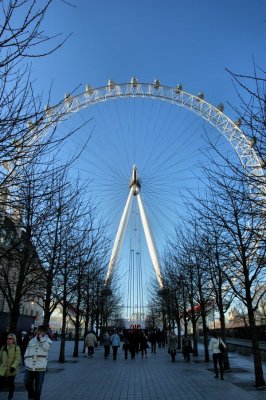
<point>132,344</point>
<point>106,344</point>
<point>143,344</point>
<point>186,347</point>
<point>152,340</point>
<point>23,343</point>
<point>125,347</point>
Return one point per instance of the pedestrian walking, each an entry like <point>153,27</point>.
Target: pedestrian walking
<point>10,358</point>
<point>23,344</point>
<point>143,344</point>
<point>36,359</point>
<point>106,344</point>
<point>217,355</point>
<point>132,344</point>
<point>91,342</point>
<point>115,342</point>
<point>152,340</point>
<point>186,347</point>
<point>173,343</point>
<point>125,346</point>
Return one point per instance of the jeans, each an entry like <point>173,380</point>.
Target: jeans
<point>90,351</point>
<point>115,348</point>
<point>153,347</point>
<point>218,358</point>
<point>106,351</point>
<point>33,381</point>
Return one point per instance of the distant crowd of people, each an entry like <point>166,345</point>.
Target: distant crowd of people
<point>31,349</point>
<point>137,341</point>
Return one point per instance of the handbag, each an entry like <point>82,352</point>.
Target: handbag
<point>221,347</point>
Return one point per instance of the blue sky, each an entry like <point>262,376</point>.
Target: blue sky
<point>177,41</point>
<point>188,41</point>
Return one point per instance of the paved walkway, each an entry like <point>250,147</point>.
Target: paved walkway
<point>154,378</point>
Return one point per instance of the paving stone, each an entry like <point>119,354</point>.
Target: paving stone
<point>154,378</point>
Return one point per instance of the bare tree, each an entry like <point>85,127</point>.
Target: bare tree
<point>29,211</point>
<point>252,108</point>
<point>232,209</point>
<point>23,119</point>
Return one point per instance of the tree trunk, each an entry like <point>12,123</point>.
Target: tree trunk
<point>47,314</point>
<point>14,315</point>
<point>195,337</point>
<point>259,378</point>
<point>205,336</point>
<point>178,323</point>
<point>63,336</point>
<point>76,344</point>
<point>77,328</point>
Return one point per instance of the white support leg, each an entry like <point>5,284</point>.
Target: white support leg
<point>120,235</point>
<point>150,241</point>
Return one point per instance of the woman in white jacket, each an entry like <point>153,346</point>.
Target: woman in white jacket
<point>217,355</point>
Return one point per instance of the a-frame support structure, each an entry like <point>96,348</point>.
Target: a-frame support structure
<point>135,187</point>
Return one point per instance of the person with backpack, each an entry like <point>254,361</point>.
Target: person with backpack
<point>10,358</point>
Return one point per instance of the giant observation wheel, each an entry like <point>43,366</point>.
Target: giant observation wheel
<point>132,131</point>
<point>214,115</point>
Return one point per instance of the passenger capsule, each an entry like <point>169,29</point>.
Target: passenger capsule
<point>88,89</point>
<point>179,88</point>
<point>220,107</point>
<point>200,96</point>
<point>67,98</point>
<point>156,84</point>
<point>111,84</point>
<point>134,82</point>
<point>238,122</point>
<point>252,141</point>
<point>262,163</point>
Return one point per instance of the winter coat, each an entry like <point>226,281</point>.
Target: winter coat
<point>115,340</point>
<point>91,340</point>
<point>36,354</point>
<point>214,345</point>
<point>9,359</point>
<point>106,339</point>
<point>173,343</point>
<point>143,343</point>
